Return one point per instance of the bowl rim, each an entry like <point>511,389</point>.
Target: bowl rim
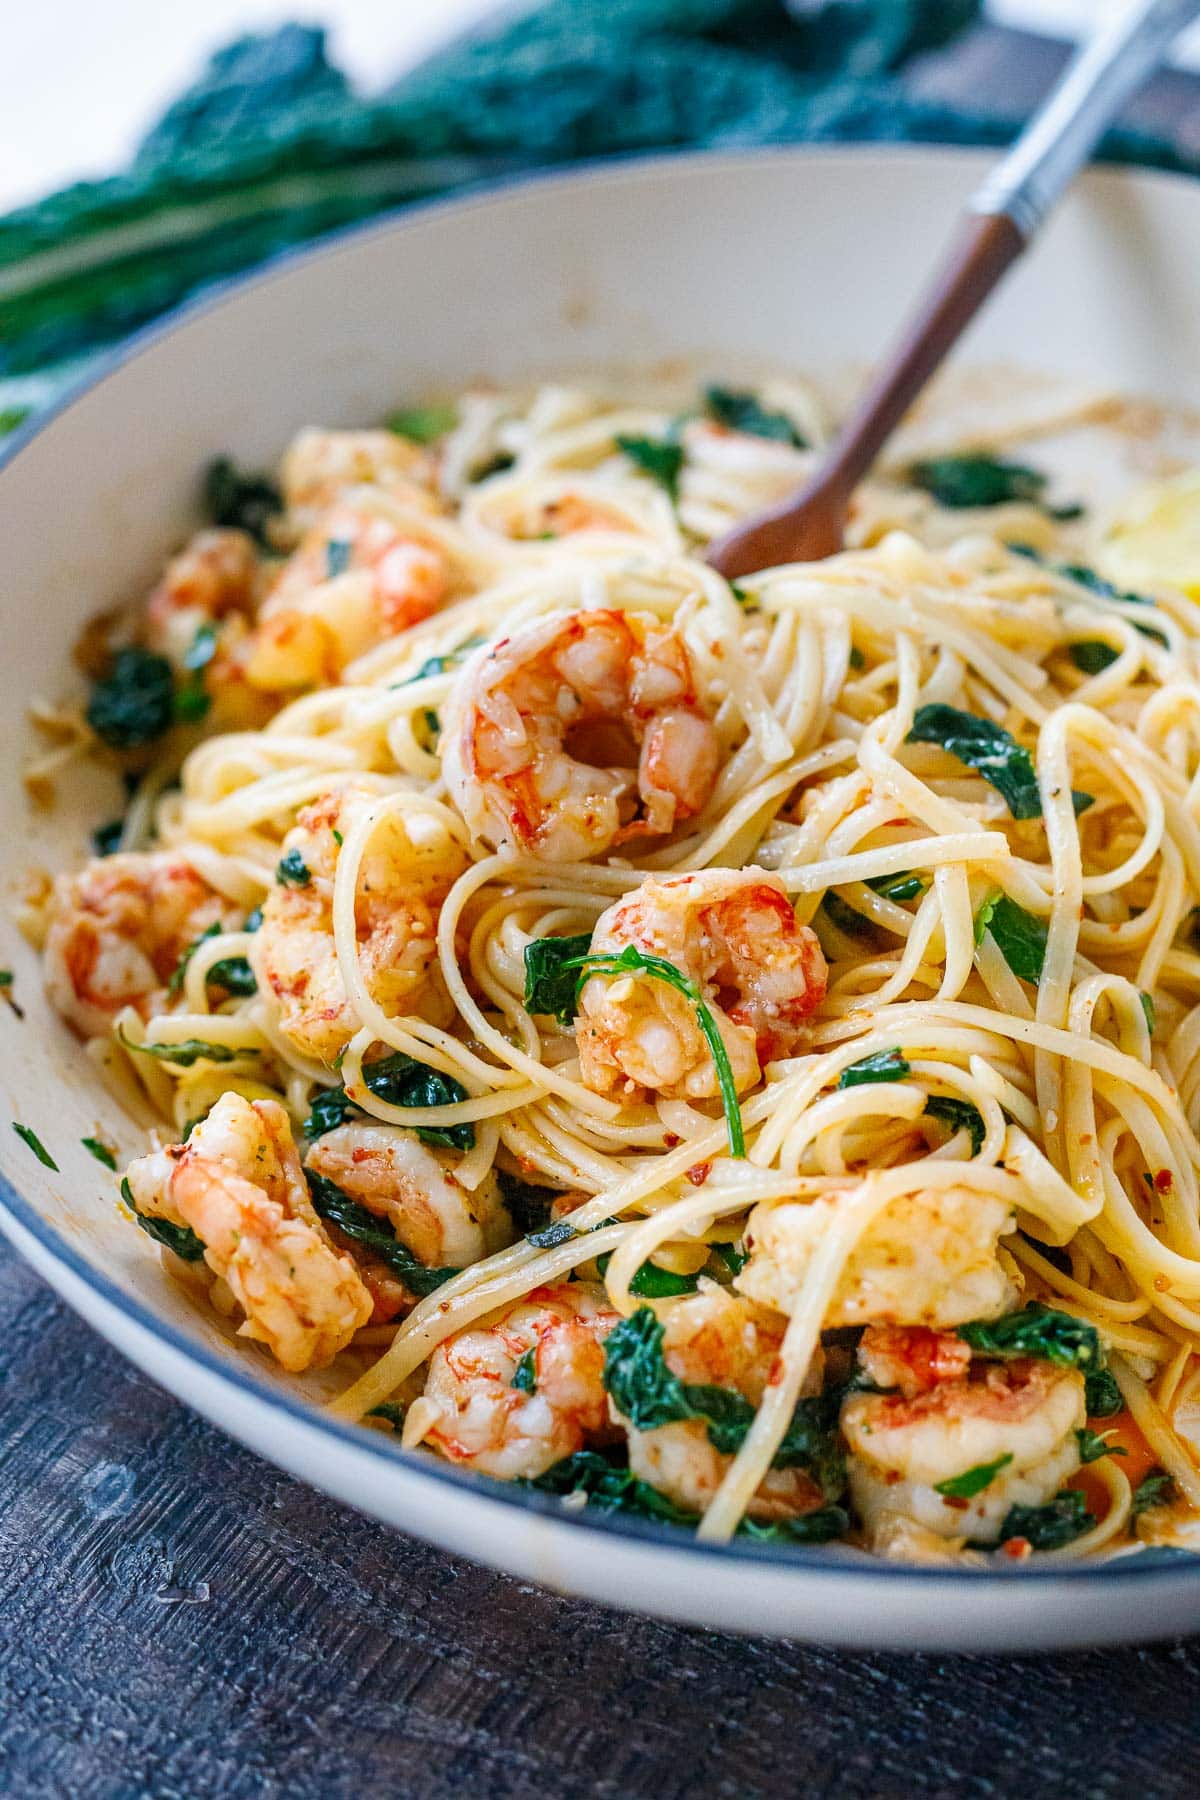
<point>831,1559</point>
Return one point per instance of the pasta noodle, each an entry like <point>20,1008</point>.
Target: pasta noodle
<point>703,1045</point>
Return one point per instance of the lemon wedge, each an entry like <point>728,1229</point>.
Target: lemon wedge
<point>1154,540</point>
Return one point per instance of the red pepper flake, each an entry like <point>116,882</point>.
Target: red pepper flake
<point>775,1374</point>
<point>699,1173</point>
<point>671,1140</point>
<point>956,1501</point>
<point>1017,1549</point>
<point>1164,1181</point>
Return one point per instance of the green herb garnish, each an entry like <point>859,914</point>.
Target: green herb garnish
<point>100,1151</point>
<point>423,424</point>
<point>240,500</point>
<point>1102,1396</point>
<point>354,1221</point>
<point>1092,656</point>
<point>884,1065</point>
<point>292,870</point>
<point>1157,1489</point>
<point>1149,1011</point>
<point>660,458</point>
<point>189,1051</point>
<point>972,1481</point>
<point>30,1137</point>
<point>1092,1446</point>
<point>742,411</point>
<point>650,1282</point>
<point>977,480</point>
<point>957,1115</point>
<point>549,961</point>
<point>1019,937</point>
<point>525,1374</point>
<point>898,887</point>
<point>180,1239</point>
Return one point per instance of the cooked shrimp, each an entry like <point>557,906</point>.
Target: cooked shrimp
<point>930,1258</point>
<point>393,1174</point>
<point>577,733</point>
<point>476,1414</point>
<point>354,581</point>
<point>912,1358</point>
<point>735,933</point>
<point>117,931</point>
<point>237,1183</point>
<point>405,875</point>
<point>215,574</point>
<point>714,1338</point>
<point>902,1447</point>
<point>320,465</point>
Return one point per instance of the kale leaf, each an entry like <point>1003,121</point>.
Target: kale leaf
<point>742,411</point>
<point>957,1115</point>
<point>399,1080</point>
<point>179,1238</point>
<point>240,500</point>
<point>363,1227</point>
<point>660,458</point>
<point>1020,938</point>
<point>884,1065</point>
<point>134,703</point>
<point>1049,1527</point>
<point>1041,1331</point>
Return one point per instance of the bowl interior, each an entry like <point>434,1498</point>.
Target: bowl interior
<point>793,259</point>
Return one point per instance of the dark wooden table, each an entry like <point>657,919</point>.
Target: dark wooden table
<point>179,1619</point>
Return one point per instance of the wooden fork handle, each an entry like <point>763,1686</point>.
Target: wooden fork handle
<point>985,248</point>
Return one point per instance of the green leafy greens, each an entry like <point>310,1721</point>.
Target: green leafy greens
<point>1049,1527</point>
<point>292,870</point>
<point>135,702</point>
<point>100,1151</point>
<point>190,1050</point>
<point>884,1065</point>
<point>1019,937</point>
<point>28,1136</point>
<point>957,1115</point>
<point>981,480</point>
<point>525,1374</point>
<point>1156,1489</point>
<point>1092,1446</point>
<point>972,1481</point>
<point>1041,1331</point>
<point>180,1239</point>
<point>423,424</point>
<point>549,962</point>
<point>399,1080</point>
<point>354,1221</point>
<point>660,458</point>
<point>743,411</point>
<point>240,500</point>
<point>1102,1396</point>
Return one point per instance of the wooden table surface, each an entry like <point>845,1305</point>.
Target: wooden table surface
<point>180,1620</point>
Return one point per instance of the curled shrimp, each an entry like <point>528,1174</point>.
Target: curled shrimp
<point>407,871</point>
<point>930,1258</point>
<point>714,1338</point>
<point>577,733</point>
<point>320,465</point>
<point>477,1417</point>
<point>903,1445</point>
<point>733,931</point>
<point>354,581</point>
<point>392,1174</point>
<point>117,931</point>
<point>237,1183</point>
<point>214,575</point>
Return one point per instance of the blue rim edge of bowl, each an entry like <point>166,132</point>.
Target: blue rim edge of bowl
<point>1153,1565</point>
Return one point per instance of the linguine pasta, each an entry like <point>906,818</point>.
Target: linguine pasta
<point>732,1051</point>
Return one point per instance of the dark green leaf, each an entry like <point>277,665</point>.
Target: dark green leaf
<point>977,480</point>
<point>1092,1446</point>
<point>650,1282</point>
<point>338,552</point>
<point>423,424</point>
<point>1092,656</point>
<point>253,920</point>
<point>1049,1527</point>
<point>6,978</point>
<point>1148,1010</point>
<point>374,1234</point>
<point>972,1481</point>
<point>1157,1489</point>
<point>985,747</point>
<point>11,417</point>
<point>234,974</point>
<point>201,650</point>
<point>1103,1397</point>
<point>898,887</point>
<point>552,974</point>
<point>561,1232</point>
<point>181,967</point>
<point>328,1108</point>
<point>884,1065</point>
<point>742,411</point>
<point>292,870</point>
<point>609,1488</point>
<point>191,702</point>
<point>1041,1331</point>
<point>391,1411</point>
<point>134,703</point>
<point>399,1080</point>
<point>660,458</point>
<point>957,1115</point>
<point>450,659</point>
<point>525,1374</point>
<point>499,464</point>
<point>1019,937</point>
<point>191,1050</point>
<point>845,918</point>
<point>240,500</point>
<point>30,1137</point>
<point>820,1527</point>
<point>180,1239</point>
<point>527,1205</point>
<point>100,1151</point>
<point>857,659</point>
<point>733,1256</point>
<point>106,839</point>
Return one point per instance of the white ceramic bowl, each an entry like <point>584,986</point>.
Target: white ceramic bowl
<point>794,257</point>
